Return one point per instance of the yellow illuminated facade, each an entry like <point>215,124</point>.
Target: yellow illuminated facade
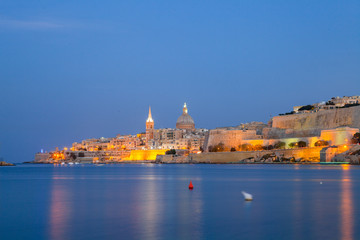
<point>338,136</point>
<point>137,155</point>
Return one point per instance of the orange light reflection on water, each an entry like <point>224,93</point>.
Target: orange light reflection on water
<point>59,212</point>
<point>346,209</point>
<point>345,167</point>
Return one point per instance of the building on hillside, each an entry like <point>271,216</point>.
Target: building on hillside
<point>185,136</point>
<point>333,103</point>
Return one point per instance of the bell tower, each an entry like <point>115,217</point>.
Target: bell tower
<point>149,127</point>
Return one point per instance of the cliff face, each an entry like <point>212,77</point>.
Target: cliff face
<point>326,119</point>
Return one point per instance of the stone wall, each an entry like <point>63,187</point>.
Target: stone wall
<point>325,119</point>
<point>232,157</point>
<point>306,127</point>
<point>235,157</point>
<point>230,138</point>
<point>41,157</point>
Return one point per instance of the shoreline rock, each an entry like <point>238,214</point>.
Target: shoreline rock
<point>2,163</point>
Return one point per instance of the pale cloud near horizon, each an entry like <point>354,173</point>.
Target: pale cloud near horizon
<point>7,23</point>
<point>30,25</point>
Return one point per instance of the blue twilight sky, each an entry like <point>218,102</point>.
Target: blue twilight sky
<point>71,70</point>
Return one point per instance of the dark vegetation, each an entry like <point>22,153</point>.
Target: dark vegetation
<point>217,148</point>
<point>356,139</point>
<point>350,105</point>
<point>299,144</point>
<point>321,143</point>
<point>307,108</point>
<point>170,152</point>
<point>288,113</point>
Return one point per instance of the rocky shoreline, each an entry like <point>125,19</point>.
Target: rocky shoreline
<point>2,163</point>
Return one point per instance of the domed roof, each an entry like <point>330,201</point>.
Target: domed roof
<point>185,121</point>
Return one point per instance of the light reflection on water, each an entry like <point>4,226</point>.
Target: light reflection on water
<point>154,202</point>
<point>59,211</point>
<point>346,209</point>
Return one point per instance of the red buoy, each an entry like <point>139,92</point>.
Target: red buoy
<point>191,187</point>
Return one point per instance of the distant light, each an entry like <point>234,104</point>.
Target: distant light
<point>42,150</point>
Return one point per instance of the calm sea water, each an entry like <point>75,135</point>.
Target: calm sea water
<point>147,201</point>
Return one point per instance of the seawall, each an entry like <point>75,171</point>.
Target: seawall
<point>312,154</point>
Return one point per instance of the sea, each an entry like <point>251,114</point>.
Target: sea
<point>153,201</point>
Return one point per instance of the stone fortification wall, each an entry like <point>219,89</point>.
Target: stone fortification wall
<point>230,157</point>
<point>235,157</point>
<point>305,126</point>
<point>325,119</point>
<point>42,157</point>
<point>278,133</point>
<point>229,137</point>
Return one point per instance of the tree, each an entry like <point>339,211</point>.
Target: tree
<point>293,144</point>
<point>232,149</point>
<point>210,148</point>
<point>269,147</point>
<point>245,147</point>
<point>329,103</point>
<point>219,147</point>
<point>356,138</point>
<point>306,108</point>
<point>258,147</point>
<point>321,143</point>
<point>302,144</point>
<point>170,152</point>
<point>279,145</point>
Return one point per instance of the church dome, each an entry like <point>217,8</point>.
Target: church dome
<point>185,121</point>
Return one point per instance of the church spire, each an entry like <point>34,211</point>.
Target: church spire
<point>149,117</point>
<point>185,110</point>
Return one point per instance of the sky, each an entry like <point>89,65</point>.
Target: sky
<point>72,70</point>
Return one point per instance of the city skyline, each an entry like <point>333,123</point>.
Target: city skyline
<point>333,122</point>
<point>94,69</point>
<point>179,119</point>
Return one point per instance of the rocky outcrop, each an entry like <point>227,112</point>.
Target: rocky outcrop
<point>352,156</point>
<point>2,163</point>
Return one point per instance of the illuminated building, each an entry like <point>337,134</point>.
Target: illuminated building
<point>149,128</point>
<point>185,121</point>
<point>142,146</point>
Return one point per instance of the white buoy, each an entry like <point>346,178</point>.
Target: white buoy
<point>320,182</point>
<point>247,196</point>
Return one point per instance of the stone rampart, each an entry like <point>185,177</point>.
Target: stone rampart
<point>233,157</point>
<point>230,138</point>
<point>325,119</point>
